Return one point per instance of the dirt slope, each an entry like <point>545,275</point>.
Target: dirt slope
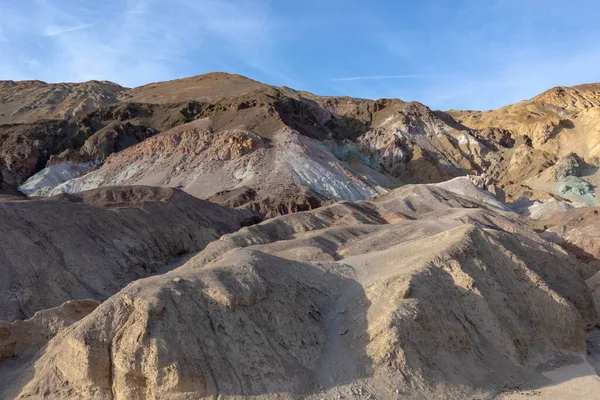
<point>285,152</point>
<point>29,101</point>
<point>419,294</point>
<point>92,244</point>
<point>204,88</point>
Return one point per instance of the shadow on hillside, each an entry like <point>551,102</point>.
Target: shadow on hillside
<point>591,262</point>
<point>15,373</point>
<point>254,324</point>
<point>588,170</point>
<point>487,340</point>
<point>301,338</point>
<point>563,124</point>
<point>306,116</point>
<point>533,324</point>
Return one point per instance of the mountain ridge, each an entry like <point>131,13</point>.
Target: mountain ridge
<point>407,141</point>
<point>214,236</point>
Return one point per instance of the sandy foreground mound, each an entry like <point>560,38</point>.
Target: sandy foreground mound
<point>92,244</point>
<point>577,230</point>
<point>421,293</point>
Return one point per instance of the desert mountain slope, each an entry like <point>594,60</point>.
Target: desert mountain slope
<point>203,88</point>
<point>552,128</point>
<point>273,143</point>
<point>421,293</point>
<point>91,244</point>
<point>286,173</point>
<point>29,101</point>
<point>86,140</point>
<point>517,146</point>
<point>541,118</point>
<point>277,163</point>
<point>393,263</point>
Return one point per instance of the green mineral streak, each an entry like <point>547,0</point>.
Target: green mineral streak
<point>574,186</point>
<point>350,152</point>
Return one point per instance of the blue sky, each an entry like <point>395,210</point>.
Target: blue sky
<point>470,54</point>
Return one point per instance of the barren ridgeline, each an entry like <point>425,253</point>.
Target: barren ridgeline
<point>361,248</point>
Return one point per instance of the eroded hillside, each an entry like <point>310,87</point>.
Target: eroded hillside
<point>421,293</point>
<point>403,252</point>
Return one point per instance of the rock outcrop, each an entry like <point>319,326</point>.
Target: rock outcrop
<point>417,146</point>
<point>557,124</point>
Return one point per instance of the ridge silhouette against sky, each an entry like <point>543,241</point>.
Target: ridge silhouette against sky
<point>445,53</point>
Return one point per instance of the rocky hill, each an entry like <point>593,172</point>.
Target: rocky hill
<point>403,253</point>
<point>91,244</point>
<point>541,149</point>
<point>557,127</point>
<point>421,293</point>
<point>30,101</point>
<point>323,148</point>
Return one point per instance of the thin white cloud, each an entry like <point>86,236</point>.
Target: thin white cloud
<point>184,38</point>
<point>377,77</point>
<point>58,30</point>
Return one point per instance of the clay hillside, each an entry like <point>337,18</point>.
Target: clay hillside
<point>215,237</point>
